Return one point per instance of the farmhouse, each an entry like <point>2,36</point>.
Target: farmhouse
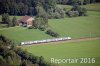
<point>26,21</point>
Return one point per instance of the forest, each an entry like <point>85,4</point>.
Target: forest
<point>36,7</point>
<point>10,55</point>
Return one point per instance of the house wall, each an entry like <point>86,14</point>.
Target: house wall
<point>30,22</point>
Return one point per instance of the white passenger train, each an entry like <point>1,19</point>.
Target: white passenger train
<point>45,41</point>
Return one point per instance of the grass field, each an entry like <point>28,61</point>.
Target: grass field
<point>89,7</point>
<point>19,34</point>
<point>83,49</point>
<point>79,26</point>
<point>92,7</point>
<point>76,27</point>
<point>88,26</point>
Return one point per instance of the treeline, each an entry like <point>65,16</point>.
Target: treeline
<point>24,7</point>
<point>11,55</point>
<point>38,7</point>
<point>30,7</point>
<point>81,2</point>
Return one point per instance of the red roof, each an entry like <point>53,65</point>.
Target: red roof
<point>25,18</point>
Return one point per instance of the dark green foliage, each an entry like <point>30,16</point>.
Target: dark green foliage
<point>5,41</point>
<point>5,18</point>
<point>41,23</point>
<point>31,27</point>
<point>24,7</point>
<point>64,2</point>
<point>80,2</point>
<point>14,21</point>
<point>56,12</point>
<point>77,11</point>
<point>72,13</point>
<point>82,11</point>
<point>51,33</point>
<point>42,28</point>
<point>28,7</point>
<point>14,56</point>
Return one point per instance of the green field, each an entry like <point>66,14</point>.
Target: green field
<point>92,7</point>
<point>83,49</point>
<point>76,27</point>
<point>89,7</point>
<point>19,34</point>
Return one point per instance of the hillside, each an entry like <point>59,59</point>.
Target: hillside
<point>74,27</point>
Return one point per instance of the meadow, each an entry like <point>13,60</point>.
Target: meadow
<point>82,49</point>
<point>89,7</point>
<point>92,7</point>
<point>75,27</point>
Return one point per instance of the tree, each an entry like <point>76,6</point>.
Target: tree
<point>3,61</point>
<point>5,18</point>
<point>51,33</point>
<point>86,1</point>
<point>5,41</point>
<point>42,17</point>
<point>62,1</point>
<point>14,21</point>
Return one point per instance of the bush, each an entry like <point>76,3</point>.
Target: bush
<point>77,11</point>
<point>82,12</point>
<point>51,33</point>
<point>73,13</point>
<point>31,27</point>
<point>42,28</point>
<point>57,12</point>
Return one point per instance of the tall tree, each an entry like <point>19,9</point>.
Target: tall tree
<point>14,21</point>
<point>5,18</point>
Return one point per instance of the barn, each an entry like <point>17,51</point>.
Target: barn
<point>26,21</point>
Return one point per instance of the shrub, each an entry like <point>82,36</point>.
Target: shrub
<point>77,11</point>
<point>57,12</point>
<point>42,28</point>
<point>51,33</point>
<point>31,27</point>
<point>73,13</point>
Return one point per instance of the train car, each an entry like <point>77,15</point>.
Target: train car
<point>46,41</point>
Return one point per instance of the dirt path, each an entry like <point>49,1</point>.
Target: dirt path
<point>67,41</point>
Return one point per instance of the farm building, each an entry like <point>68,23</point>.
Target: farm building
<point>26,21</point>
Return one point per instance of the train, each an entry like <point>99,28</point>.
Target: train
<point>45,41</point>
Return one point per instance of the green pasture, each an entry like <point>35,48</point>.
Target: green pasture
<point>83,49</point>
<point>19,34</point>
<point>75,27</point>
<point>89,7</point>
<point>92,7</point>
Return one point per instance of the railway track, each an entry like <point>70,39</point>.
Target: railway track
<point>66,41</point>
